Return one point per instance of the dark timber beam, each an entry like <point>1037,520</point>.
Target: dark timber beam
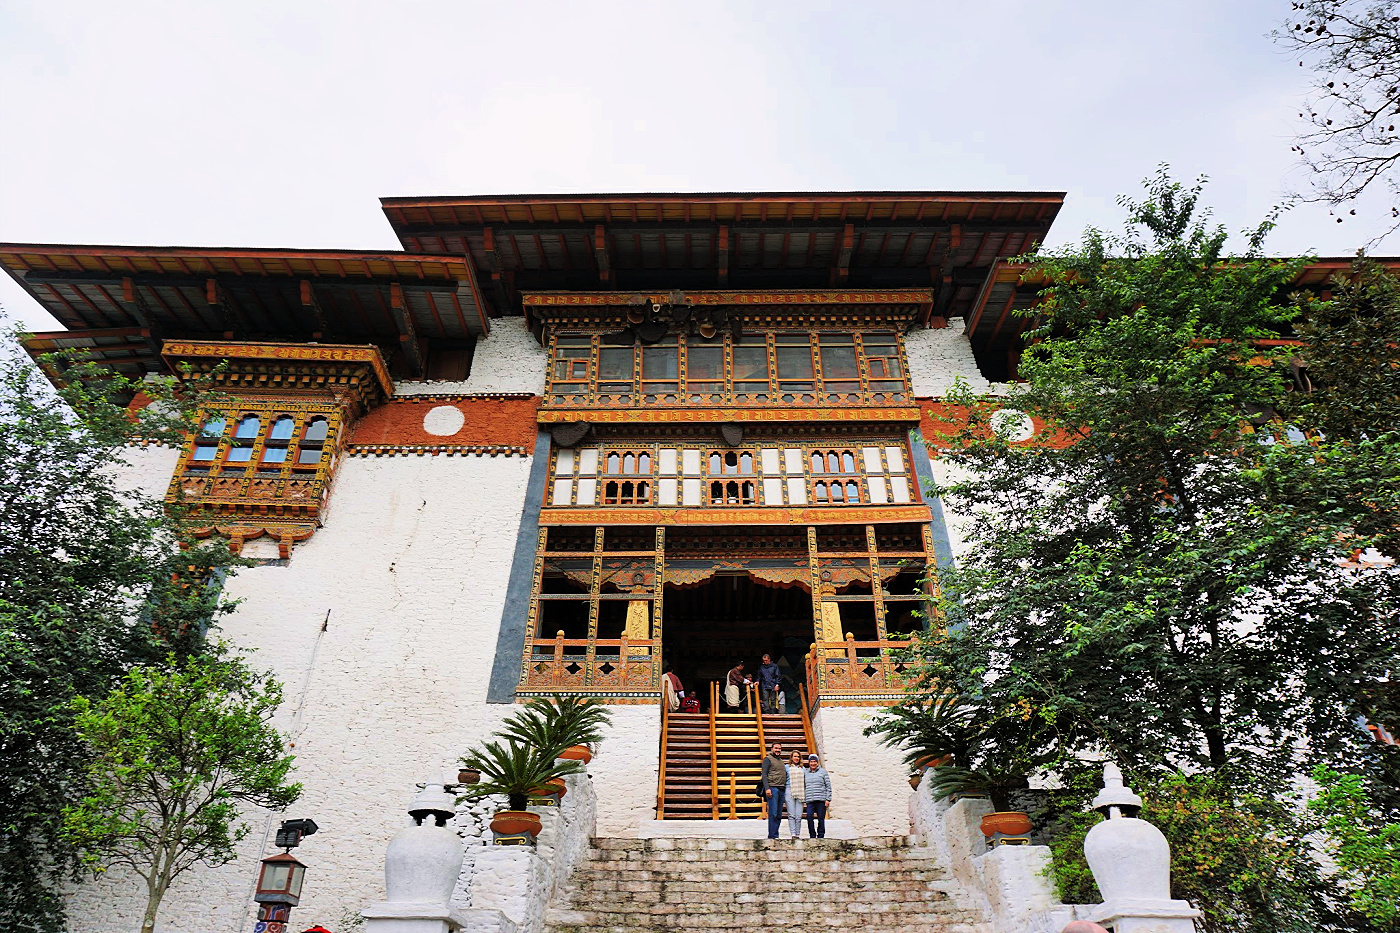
<point>841,270</point>
<point>601,254</point>
<point>583,230</point>
<point>722,254</point>
<point>308,300</point>
<point>408,336</point>
<point>469,293</point>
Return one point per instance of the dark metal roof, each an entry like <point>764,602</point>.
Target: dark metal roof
<point>107,292</point>
<point>611,242</point>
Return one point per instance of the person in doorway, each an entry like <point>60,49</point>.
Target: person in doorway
<point>671,683</point>
<point>816,789</point>
<point>769,682</point>
<point>734,687</point>
<point>691,703</point>
<point>796,786</point>
<point>774,787</point>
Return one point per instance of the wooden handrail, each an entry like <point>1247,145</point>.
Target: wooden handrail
<point>757,709</point>
<point>807,721</point>
<point>661,779</point>
<point>733,809</point>
<point>714,756</point>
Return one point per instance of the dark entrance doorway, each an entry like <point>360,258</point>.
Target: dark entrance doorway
<point>731,617</point>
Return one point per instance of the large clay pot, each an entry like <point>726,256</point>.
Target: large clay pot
<point>468,776</point>
<point>577,753</point>
<point>1006,822</point>
<point>515,822</point>
<point>556,786</point>
<point>933,761</point>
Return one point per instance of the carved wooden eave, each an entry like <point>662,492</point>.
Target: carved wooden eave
<point>353,374</point>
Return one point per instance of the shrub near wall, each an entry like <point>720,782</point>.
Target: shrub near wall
<point>1245,861</point>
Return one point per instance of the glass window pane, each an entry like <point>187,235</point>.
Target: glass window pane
<point>750,364</point>
<point>839,362</point>
<point>309,455</point>
<point>214,427</point>
<point>282,429</point>
<point>205,451</point>
<point>240,455</point>
<point>615,364</point>
<point>248,427</point>
<point>316,430</point>
<point>794,363</point>
<point>274,455</point>
<point>705,364</point>
<point>660,363</point>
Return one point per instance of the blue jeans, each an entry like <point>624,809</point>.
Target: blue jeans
<point>794,808</point>
<point>774,796</point>
<point>816,829</point>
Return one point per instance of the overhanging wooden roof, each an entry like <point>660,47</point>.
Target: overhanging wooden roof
<point>613,242</point>
<point>390,299</point>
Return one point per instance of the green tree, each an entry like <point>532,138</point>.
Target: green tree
<point>178,750</point>
<point>1134,585</point>
<point>1364,846</point>
<point>1243,859</point>
<point>92,580</point>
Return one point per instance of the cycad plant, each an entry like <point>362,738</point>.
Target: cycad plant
<point>554,724</point>
<point>515,769</point>
<point>929,728</point>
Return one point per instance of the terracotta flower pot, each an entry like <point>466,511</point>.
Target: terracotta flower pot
<point>577,753</point>
<point>933,761</point>
<point>468,776</point>
<point>914,780</point>
<point>1006,822</point>
<point>557,786</point>
<point>516,822</point>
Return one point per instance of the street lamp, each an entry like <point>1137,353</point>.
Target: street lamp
<point>280,878</point>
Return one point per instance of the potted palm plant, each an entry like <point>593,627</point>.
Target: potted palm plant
<point>933,730</point>
<point>565,725</point>
<point>515,770</point>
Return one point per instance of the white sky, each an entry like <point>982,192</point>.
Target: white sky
<point>280,124</point>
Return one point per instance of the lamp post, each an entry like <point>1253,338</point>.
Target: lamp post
<point>280,879</point>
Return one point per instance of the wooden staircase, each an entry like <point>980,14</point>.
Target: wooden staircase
<point>711,761</point>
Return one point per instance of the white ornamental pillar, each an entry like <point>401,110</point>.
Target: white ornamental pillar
<point>421,867</point>
<point>1131,862</point>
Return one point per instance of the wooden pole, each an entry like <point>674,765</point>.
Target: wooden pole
<point>733,810</point>
<point>714,759</point>
<point>661,779</point>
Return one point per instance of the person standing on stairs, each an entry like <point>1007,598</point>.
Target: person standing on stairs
<point>674,691</point>
<point>816,786</point>
<point>769,681</point>
<point>774,787</point>
<point>796,786</point>
<point>734,686</point>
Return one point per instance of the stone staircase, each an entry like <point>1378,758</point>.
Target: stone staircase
<point>756,886</point>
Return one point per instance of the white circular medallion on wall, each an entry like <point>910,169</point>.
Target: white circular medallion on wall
<point>1012,425</point>
<point>444,420</point>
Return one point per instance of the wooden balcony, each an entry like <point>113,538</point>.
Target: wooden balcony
<point>856,673</point>
<point>626,671</point>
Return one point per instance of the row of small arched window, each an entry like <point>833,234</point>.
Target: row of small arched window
<point>276,446</point>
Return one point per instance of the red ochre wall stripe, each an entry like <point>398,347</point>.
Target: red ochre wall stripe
<point>488,421</point>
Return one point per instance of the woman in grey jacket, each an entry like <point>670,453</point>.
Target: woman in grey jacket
<point>817,792</point>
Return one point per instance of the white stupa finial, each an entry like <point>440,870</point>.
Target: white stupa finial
<point>1115,796</point>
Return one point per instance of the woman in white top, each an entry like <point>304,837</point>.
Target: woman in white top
<point>795,794</point>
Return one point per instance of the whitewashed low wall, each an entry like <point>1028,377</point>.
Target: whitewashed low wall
<point>626,769</point>
<point>1009,883</point>
<point>939,356</point>
<point>869,782</point>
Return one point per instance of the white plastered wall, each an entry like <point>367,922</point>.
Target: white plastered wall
<point>412,567</point>
<point>939,356</point>
<point>510,360</point>
<point>869,783</point>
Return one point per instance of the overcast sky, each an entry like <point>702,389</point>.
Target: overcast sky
<point>280,124</point>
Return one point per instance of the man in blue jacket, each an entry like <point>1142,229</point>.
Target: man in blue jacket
<point>769,680</point>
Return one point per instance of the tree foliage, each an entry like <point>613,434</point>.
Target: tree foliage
<point>1241,858</point>
<point>1139,576</point>
<point>179,749</point>
<point>94,580</point>
<point>1364,846</point>
<point>1351,143</point>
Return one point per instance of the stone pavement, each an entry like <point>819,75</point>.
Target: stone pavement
<point>880,885</point>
